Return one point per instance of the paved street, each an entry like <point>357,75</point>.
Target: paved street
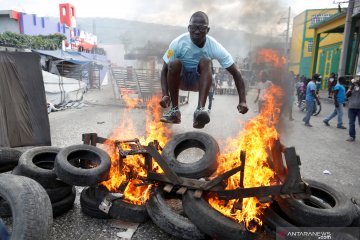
<point>320,148</point>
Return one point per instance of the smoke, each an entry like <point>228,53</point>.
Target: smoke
<point>252,16</point>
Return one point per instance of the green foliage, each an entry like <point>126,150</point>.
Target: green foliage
<point>50,42</point>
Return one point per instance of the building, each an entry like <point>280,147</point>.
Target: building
<point>302,43</point>
<point>327,60</point>
<point>31,24</point>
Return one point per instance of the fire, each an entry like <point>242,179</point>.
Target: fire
<point>133,169</point>
<point>257,136</point>
<point>137,194</point>
<point>271,57</point>
<point>130,102</point>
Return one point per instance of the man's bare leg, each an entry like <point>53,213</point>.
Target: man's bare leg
<point>205,81</point>
<point>173,81</point>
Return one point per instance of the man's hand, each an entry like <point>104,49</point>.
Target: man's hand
<point>336,105</point>
<point>242,108</point>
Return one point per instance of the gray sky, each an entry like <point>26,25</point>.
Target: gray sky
<point>231,14</point>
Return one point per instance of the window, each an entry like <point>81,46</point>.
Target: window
<point>310,45</point>
<point>58,25</point>
<point>43,22</point>
<point>34,20</point>
<point>319,18</point>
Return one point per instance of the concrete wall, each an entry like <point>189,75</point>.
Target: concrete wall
<point>8,25</point>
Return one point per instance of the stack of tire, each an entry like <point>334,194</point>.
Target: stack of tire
<point>38,163</point>
<point>185,216</point>
<point>196,219</point>
<point>325,207</point>
<point>25,200</point>
<point>92,196</point>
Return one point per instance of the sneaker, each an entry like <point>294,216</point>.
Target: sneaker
<point>209,111</point>
<point>165,102</point>
<point>326,123</point>
<point>341,127</point>
<point>201,117</point>
<point>350,139</point>
<point>172,116</point>
<point>308,125</point>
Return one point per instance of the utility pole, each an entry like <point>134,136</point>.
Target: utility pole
<point>287,35</point>
<point>346,39</point>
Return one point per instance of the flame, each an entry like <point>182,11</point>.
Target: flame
<point>133,167</point>
<point>137,194</point>
<point>258,136</point>
<point>130,102</point>
<point>271,57</point>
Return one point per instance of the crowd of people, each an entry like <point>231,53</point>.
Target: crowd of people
<point>308,90</point>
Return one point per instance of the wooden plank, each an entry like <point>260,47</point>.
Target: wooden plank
<point>170,174</point>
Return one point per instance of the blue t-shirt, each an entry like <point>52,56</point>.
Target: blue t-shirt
<point>310,87</point>
<point>341,93</point>
<point>189,54</point>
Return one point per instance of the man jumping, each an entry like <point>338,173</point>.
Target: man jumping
<point>187,66</point>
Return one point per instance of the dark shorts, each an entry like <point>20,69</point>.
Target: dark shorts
<point>189,79</point>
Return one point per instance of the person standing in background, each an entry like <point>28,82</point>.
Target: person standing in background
<point>311,100</point>
<point>339,101</point>
<point>331,85</point>
<point>353,94</point>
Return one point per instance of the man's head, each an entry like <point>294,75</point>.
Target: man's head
<point>198,28</point>
<point>315,76</point>
<point>342,80</point>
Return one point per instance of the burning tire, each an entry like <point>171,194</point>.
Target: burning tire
<point>205,166</point>
<point>90,200</point>
<point>128,212</point>
<point>9,159</point>
<point>82,165</point>
<point>171,220</point>
<point>338,213</point>
<point>212,222</point>
<point>30,207</point>
<point>38,163</point>
<point>274,217</point>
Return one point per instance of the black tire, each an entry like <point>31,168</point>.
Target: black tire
<point>70,160</point>
<point>212,222</point>
<point>9,159</point>
<point>90,200</point>
<point>356,221</point>
<point>128,212</point>
<point>57,194</point>
<point>38,163</point>
<point>30,207</point>
<point>5,210</point>
<point>205,166</point>
<point>65,204</point>
<point>168,219</point>
<point>303,213</point>
<point>273,218</point>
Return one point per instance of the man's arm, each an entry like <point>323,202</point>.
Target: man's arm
<point>313,92</point>
<point>163,80</point>
<point>335,98</point>
<point>240,86</point>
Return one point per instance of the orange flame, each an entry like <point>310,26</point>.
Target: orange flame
<point>133,169</point>
<point>271,57</point>
<point>257,137</point>
<point>130,102</point>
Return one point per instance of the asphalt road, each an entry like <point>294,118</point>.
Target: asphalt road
<point>320,148</point>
